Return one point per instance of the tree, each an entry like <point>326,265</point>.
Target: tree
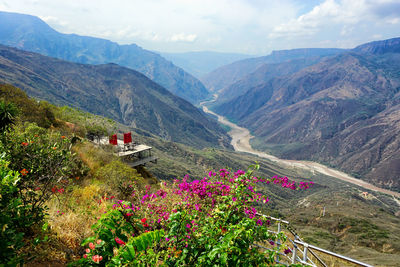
<point>8,112</point>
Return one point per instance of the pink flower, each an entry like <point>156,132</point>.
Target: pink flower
<point>98,241</point>
<point>119,241</point>
<point>288,250</point>
<point>91,246</point>
<point>97,258</point>
<point>87,250</point>
<point>85,256</point>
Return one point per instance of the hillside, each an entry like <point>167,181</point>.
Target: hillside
<point>226,75</point>
<point>262,75</point>
<point>202,62</point>
<point>112,91</point>
<point>343,111</point>
<point>380,47</point>
<point>354,225</point>
<point>32,34</point>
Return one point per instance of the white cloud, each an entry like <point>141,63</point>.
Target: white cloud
<point>394,20</point>
<point>346,12</point>
<point>248,26</point>
<point>346,17</point>
<point>53,20</point>
<point>181,37</point>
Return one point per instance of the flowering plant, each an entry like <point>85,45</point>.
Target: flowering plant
<point>44,161</point>
<point>212,221</point>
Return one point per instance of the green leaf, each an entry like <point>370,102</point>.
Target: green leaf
<point>213,253</point>
<point>45,226</point>
<point>131,251</point>
<point>88,240</point>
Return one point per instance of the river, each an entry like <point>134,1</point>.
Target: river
<point>241,143</point>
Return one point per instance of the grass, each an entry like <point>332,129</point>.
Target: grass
<point>363,228</point>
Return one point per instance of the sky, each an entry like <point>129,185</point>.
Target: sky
<point>253,27</point>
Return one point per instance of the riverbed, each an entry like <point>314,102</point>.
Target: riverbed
<point>241,143</point>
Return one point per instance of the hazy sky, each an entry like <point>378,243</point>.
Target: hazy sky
<point>244,26</point>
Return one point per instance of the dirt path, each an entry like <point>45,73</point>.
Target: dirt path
<point>241,142</point>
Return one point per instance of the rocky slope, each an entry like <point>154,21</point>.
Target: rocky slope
<point>32,34</point>
<point>224,76</point>
<point>112,91</point>
<point>343,111</point>
<point>202,62</point>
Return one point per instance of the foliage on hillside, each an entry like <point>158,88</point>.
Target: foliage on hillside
<point>207,222</point>
<point>101,180</point>
<point>47,181</point>
<point>113,91</point>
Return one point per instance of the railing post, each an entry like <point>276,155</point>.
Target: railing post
<point>294,254</point>
<point>305,253</point>
<point>278,242</point>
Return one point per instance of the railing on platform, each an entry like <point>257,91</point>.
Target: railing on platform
<point>302,255</point>
<point>130,152</point>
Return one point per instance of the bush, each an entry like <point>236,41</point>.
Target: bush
<point>45,163</point>
<point>120,178</point>
<point>207,222</point>
<point>15,216</point>
<point>8,111</point>
<point>39,112</point>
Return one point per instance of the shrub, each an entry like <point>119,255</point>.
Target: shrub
<point>15,216</point>
<point>8,111</point>
<point>120,178</point>
<point>45,163</point>
<point>39,112</point>
<point>207,222</point>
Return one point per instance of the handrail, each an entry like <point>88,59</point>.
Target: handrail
<point>272,218</point>
<point>332,254</point>
<point>307,247</point>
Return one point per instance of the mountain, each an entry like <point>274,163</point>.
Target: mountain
<point>343,111</point>
<point>32,34</point>
<point>202,62</point>
<point>380,47</point>
<point>262,75</point>
<point>112,91</point>
<point>226,75</point>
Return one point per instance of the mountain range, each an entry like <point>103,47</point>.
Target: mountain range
<point>343,110</point>
<point>224,76</point>
<point>340,107</point>
<point>202,62</point>
<point>112,91</point>
<point>32,34</point>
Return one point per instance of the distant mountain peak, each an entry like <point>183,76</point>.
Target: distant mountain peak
<point>380,47</point>
<point>112,91</point>
<point>32,34</point>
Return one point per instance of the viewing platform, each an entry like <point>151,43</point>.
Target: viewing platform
<point>131,153</point>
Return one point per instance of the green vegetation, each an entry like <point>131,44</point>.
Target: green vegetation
<point>89,179</point>
<point>207,222</point>
<point>46,181</point>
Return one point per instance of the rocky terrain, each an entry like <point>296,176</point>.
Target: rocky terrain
<point>224,76</point>
<point>113,91</point>
<point>32,34</point>
<point>343,111</point>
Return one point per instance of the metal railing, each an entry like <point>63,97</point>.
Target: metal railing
<point>302,255</point>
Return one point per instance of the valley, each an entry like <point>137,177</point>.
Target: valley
<point>315,130</point>
<point>240,140</point>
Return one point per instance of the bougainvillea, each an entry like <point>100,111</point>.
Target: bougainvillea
<point>206,222</point>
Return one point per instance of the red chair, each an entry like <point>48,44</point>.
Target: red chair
<point>113,140</point>
<point>127,138</point>
<point>128,144</point>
